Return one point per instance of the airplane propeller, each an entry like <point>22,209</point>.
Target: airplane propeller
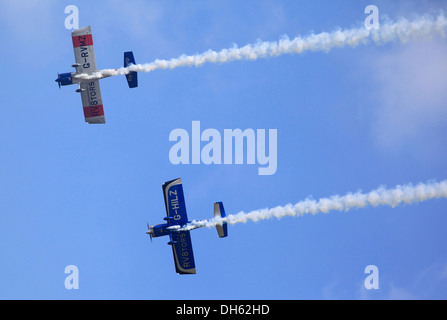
<point>58,82</point>
<point>149,231</point>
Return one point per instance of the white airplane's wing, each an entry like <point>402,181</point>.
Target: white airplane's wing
<point>86,63</point>
<point>83,50</point>
<point>92,102</point>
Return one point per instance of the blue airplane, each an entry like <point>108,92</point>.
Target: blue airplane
<point>176,219</point>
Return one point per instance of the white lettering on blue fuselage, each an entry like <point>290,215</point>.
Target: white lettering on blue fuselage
<point>184,253</point>
<point>174,204</point>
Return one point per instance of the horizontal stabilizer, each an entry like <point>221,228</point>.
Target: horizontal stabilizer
<point>132,76</point>
<point>219,212</point>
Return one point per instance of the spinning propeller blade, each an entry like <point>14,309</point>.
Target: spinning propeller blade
<point>149,231</point>
<point>58,82</point>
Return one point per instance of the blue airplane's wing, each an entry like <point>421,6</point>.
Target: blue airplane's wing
<point>175,203</point>
<point>183,254</point>
<point>176,216</point>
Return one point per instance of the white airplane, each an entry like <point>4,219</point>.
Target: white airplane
<point>86,64</point>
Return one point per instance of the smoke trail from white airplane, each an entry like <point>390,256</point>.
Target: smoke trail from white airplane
<point>406,194</point>
<point>402,30</point>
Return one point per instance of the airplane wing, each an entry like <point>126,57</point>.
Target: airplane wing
<point>175,203</point>
<point>176,215</point>
<point>92,102</point>
<point>83,50</point>
<point>86,63</point>
<point>183,254</point>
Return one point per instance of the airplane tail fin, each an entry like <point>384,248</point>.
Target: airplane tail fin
<point>132,76</point>
<point>219,212</point>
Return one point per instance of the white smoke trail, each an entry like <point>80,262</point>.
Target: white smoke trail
<point>402,30</point>
<point>407,194</point>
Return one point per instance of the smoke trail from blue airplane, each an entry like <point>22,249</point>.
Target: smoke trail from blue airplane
<point>403,30</point>
<point>405,194</point>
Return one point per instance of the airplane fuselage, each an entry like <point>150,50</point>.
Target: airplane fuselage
<point>69,78</point>
<point>161,230</point>
<point>66,79</point>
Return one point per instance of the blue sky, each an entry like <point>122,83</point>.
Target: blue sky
<point>348,120</point>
